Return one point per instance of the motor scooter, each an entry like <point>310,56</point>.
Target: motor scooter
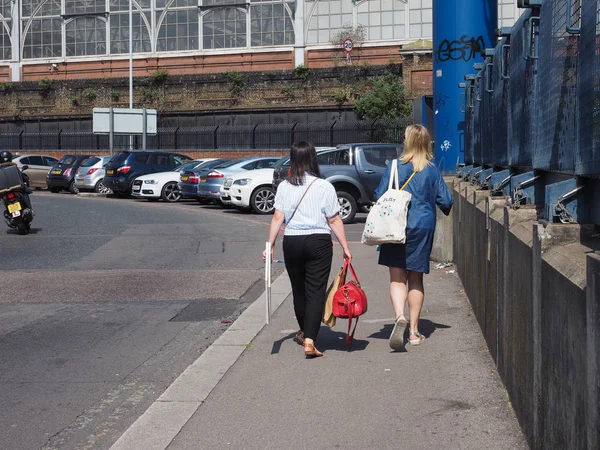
<point>17,206</point>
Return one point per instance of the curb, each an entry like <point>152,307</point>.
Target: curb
<point>90,194</point>
<point>164,419</point>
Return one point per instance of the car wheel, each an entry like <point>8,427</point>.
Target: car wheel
<point>73,189</point>
<point>171,193</point>
<point>101,189</point>
<point>348,206</point>
<point>54,190</point>
<point>22,228</point>
<point>262,200</point>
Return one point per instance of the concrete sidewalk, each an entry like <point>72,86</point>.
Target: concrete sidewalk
<point>443,394</point>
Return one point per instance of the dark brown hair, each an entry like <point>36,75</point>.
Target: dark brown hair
<point>303,160</point>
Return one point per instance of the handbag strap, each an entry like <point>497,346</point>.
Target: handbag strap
<point>394,176</point>
<point>345,271</point>
<point>349,335</point>
<point>301,198</point>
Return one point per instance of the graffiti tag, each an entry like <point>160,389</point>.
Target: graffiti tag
<point>445,146</point>
<point>464,49</point>
<point>440,100</point>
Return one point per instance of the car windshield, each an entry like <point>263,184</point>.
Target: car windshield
<point>67,160</point>
<point>119,158</point>
<point>211,164</point>
<point>225,164</point>
<point>185,167</point>
<point>90,162</point>
<point>282,162</point>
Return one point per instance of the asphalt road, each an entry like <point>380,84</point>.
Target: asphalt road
<point>106,303</point>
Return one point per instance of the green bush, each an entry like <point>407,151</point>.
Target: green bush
<point>90,94</point>
<point>236,83</point>
<point>17,115</point>
<point>115,96</point>
<point>75,100</point>
<point>45,85</point>
<point>5,87</point>
<point>159,77</point>
<point>289,91</point>
<point>302,72</point>
<point>340,96</point>
<point>385,100</point>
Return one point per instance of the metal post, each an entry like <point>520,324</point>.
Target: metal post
<point>293,134</point>
<point>462,30</point>
<point>331,133</point>
<point>111,132</point>
<point>268,282</point>
<point>59,139</point>
<point>131,64</point>
<point>216,140</point>
<point>145,129</point>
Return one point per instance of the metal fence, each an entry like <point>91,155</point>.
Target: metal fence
<point>221,137</point>
<point>535,103</point>
<point>532,115</point>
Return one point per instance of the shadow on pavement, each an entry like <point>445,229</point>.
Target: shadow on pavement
<point>328,340</point>
<point>426,327</point>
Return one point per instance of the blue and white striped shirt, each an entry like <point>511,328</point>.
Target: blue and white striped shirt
<point>319,204</point>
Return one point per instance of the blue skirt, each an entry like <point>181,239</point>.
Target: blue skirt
<point>414,255</point>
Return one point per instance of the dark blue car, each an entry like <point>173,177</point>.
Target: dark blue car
<point>189,180</point>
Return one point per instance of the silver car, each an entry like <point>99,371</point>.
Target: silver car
<point>90,175</point>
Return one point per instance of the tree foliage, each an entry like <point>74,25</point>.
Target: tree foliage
<point>386,99</point>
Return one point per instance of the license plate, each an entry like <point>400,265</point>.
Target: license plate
<point>137,188</point>
<point>56,172</point>
<point>110,172</point>
<point>185,178</point>
<point>12,207</point>
<point>202,180</point>
<point>79,181</point>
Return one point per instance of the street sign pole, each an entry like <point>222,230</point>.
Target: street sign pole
<point>145,131</point>
<point>111,132</point>
<point>268,282</point>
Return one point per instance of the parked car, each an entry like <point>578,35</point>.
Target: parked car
<point>163,184</point>
<point>38,167</point>
<point>90,176</point>
<point>224,183</point>
<point>211,179</point>
<point>126,166</point>
<point>189,179</point>
<point>253,191</point>
<point>354,170</point>
<point>62,175</point>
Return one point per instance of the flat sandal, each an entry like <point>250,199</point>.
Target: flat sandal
<point>310,351</point>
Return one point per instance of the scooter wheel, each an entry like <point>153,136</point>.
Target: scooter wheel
<point>22,228</point>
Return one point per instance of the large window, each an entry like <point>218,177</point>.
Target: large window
<point>74,28</point>
<point>271,24</point>
<point>43,40</point>
<point>85,36</point>
<point>5,29</point>
<point>179,30</point>
<point>224,28</point>
<point>420,19</point>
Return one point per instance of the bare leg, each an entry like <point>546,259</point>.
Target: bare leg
<point>398,290</point>
<point>416,295</point>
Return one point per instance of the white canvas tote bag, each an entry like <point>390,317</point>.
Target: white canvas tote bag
<point>386,222</point>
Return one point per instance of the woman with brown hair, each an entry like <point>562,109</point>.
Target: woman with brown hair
<point>310,209</point>
<point>408,262</point>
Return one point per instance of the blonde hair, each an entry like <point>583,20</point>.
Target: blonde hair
<point>417,147</point>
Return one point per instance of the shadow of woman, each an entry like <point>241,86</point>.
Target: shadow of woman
<point>327,340</point>
<point>426,328</point>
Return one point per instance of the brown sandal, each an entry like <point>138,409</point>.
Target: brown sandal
<point>310,351</point>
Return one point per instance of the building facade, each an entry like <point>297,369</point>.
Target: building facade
<point>73,39</point>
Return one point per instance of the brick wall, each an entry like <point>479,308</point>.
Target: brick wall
<point>417,71</point>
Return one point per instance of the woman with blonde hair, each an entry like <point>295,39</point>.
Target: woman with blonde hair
<point>408,262</point>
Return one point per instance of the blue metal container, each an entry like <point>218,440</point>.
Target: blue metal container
<point>462,30</point>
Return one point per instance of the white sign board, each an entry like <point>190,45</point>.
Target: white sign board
<point>125,121</point>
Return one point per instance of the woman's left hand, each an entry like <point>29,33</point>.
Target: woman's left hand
<point>272,254</point>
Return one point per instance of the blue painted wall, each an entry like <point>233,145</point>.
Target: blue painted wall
<point>462,30</point>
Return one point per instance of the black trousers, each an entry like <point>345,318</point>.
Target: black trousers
<point>308,263</point>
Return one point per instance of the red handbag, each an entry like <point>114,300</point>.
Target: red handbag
<point>349,301</point>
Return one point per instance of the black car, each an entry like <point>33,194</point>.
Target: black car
<point>62,175</point>
<point>126,166</point>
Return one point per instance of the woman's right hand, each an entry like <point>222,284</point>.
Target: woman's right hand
<point>347,255</point>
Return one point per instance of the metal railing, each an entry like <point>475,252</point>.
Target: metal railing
<point>535,105</point>
<point>218,137</point>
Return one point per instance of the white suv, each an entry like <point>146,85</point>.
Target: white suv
<point>253,190</point>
